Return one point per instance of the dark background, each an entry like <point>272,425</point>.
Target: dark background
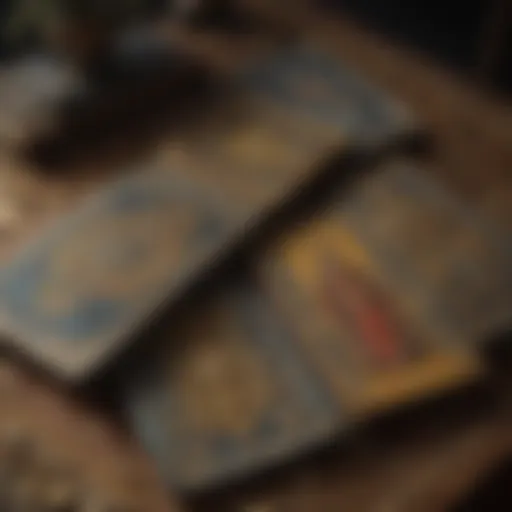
<point>455,32</point>
<point>451,31</point>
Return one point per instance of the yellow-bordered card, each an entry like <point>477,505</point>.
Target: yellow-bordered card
<point>356,334</point>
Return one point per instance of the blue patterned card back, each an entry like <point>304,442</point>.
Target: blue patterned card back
<point>72,297</point>
<point>231,397</point>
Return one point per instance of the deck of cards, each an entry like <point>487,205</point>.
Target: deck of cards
<point>377,300</point>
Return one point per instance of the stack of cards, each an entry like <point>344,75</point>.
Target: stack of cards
<point>375,302</point>
<point>356,312</point>
<point>75,297</point>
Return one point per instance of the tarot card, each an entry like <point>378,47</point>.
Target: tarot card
<point>352,329</point>
<point>72,298</point>
<point>293,112</point>
<point>231,397</point>
<point>451,263</point>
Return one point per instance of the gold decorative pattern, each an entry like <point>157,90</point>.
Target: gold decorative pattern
<point>222,380</point>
